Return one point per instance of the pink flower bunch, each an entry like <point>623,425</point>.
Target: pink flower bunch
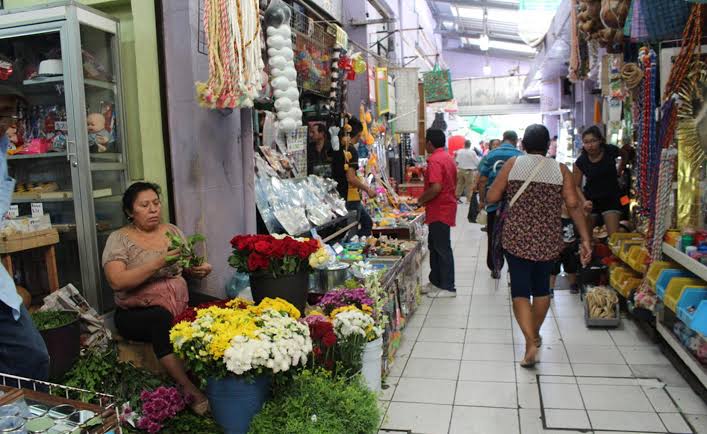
<point>159,405</point>
<point>345,297</point>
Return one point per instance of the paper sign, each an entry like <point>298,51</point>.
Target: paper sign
<point>13,212</point>
<point>37,210</point>
<point>338,248</point>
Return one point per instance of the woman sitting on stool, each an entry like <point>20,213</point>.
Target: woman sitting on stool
<point>149,292</point>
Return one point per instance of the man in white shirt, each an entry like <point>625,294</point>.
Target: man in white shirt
<point>467,171</point>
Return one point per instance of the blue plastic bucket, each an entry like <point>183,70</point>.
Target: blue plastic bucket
<point>235,401</point>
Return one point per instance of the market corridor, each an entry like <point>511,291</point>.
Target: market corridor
<point>457,369</point>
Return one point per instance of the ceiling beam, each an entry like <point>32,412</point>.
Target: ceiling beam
<point>493,52</point>
<point>505,37</point>
<point>482,4</point>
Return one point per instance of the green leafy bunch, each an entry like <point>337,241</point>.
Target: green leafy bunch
<point>102,371</point>
<point>315,402</point>
<point>187,257</point>
<point>52,319</point>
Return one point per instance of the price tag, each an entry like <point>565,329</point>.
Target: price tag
<point>14,211</point>
<point>61,126</point>
<point>338,248</point>
<point>37,209</point>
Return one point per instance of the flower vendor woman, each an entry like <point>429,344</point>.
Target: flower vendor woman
<point>149,292</point>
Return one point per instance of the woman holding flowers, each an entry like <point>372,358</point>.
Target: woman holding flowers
<point>149,290</point>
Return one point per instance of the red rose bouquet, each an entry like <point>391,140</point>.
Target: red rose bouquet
<point>277,255</point>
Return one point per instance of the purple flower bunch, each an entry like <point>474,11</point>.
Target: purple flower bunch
<point>159,405</point>
<point>345,297</point>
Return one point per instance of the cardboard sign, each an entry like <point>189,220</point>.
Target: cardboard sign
<point>37,209</point>
<point>14,211</point>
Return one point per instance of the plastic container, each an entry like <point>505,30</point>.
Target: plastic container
<point>637,258</point>
<point>628,285</point>
<point>372,364</point>
<point>698,322</point>
<point>666,276</point>
<point>626,246</point>
<point>654,271</point>
<point>689,304</point>
<point>618,237</point>
<point>676,287</point>
<point>601,322</point>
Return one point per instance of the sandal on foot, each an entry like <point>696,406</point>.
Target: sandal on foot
<point>201,407</point>
<point>528,364</point>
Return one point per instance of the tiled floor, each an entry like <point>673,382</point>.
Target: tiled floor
<point>457,368</point>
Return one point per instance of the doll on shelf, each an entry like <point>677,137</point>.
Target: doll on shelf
<point>99,139</point>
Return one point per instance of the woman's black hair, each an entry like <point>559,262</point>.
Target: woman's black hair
<point>130,195</point>
<point>596,132</point>
<point>536,139</point>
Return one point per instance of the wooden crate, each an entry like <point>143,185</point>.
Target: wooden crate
<point>26,241</point>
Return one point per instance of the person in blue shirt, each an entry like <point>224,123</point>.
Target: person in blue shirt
<point>488,169</point>
<point>22,349</point>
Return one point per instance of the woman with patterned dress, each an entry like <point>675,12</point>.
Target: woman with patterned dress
<point>532,231</point>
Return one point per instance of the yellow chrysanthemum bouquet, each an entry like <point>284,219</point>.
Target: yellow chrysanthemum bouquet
<point>238,338</point>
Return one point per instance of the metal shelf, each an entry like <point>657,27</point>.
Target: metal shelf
<point>693,364</point>
<point>59,79</point>
<point>36,156</point>
<point>681,258</point>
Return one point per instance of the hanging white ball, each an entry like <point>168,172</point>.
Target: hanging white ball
<point>281,83</point>
<point>287,125</point>
<point>283,104</point>
<point>296,113</point>
<point>277,42</point>
<point>278,62</point>
<point>290,72</point>
<point>292,93</point>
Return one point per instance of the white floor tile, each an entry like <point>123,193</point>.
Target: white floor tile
<point>437,350</point>
<point>489,336</point>
<point>687,400</point>
<point>547,353</point>
<point>561,396</point>
<point>594,354</point>
<point>528,395</point>
<point>531,423</point>
<point>449,309</point>
<point>623,420</point>
<point>587,337</point>
<point>484,420</point>
<point>480,309</point>
<point>698,422</point>
<point>615,398</point>
<point>446,321</point>
<point>526,375</point>
<point>600,370</point>
<point>439,334</point>
<point>567,419</point>
<point>644,355</point>
<point>662,403</point>
<point>425,391</point>
<point>419,418</point>
<point>487,371</point>
<point>490,322</point>
<point>486,394</point>
<point>386,393</point>
<point>497,352</point>
<point>667,374</point>
<point>675,423</point>
<point>432,369</point>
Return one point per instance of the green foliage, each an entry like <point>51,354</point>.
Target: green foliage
<point>187,257</point>
<point>53,319</point>
<point>187,422</point>
<point>101,371</point>
<point>314,402</point>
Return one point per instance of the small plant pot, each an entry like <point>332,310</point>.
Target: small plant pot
<point>63,345</point>
<point>235,401</point>
<point>292,288</point>
<point>372,360</point>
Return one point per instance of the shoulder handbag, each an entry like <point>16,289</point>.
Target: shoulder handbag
<point>501,215</point>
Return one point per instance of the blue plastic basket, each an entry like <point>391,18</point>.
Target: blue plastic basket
<point>664,279</point>
<point>691,297</point>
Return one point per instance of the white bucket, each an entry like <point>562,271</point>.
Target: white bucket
<point>373,364</point>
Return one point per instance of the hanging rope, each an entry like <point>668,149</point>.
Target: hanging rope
<point>648,154</point>
<point>631,75</point>
<point>663,209</point>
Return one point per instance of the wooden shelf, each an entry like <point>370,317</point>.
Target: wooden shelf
<point>681,258</point>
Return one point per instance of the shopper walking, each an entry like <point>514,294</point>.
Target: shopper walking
<point>488,169</point>
<point>440,213</point>
<point>344,165</point>
<point>467,172</point>
<point>535,187</point>
<point>597,165</point>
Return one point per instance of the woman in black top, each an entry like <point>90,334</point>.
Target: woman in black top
<point>597,165</point>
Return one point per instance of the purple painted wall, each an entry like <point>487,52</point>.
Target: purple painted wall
<point>211,153</point>
<point>470,65</point>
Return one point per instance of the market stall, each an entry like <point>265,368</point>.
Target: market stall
<point>649,100</point>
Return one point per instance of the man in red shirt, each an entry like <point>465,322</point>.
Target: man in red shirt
<point>441,213</point>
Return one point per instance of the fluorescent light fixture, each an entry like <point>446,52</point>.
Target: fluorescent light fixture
<point>487,69</point>
<point>473,13</point>
<point>448,24</point>
<point>484,42</point>
<point>493,14</point>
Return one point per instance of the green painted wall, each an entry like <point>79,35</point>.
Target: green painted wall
<point>141,91</point>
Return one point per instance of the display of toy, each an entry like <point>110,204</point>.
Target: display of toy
<point>99,139</point>
<point>283,75</point>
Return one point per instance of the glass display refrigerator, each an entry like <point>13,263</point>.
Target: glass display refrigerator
<point>60,98</point>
